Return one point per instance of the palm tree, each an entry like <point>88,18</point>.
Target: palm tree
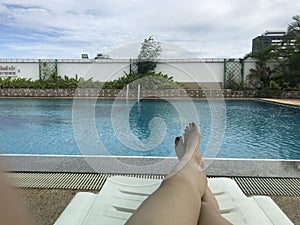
<point>294,32</point>
<point>261,76</point>
<point>289,66</point>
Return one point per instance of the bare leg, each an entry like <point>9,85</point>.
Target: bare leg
<point>210,211</point>
<point>12,212</point>
<point>178,199</point>
<point>208,197</point>
<point>209,215</point>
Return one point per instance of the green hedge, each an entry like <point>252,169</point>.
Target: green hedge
<point>148,81</point>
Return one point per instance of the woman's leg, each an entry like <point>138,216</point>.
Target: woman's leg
<point>210,216</point>
<point>12,211</point>
<point>209,209</point>
<point>209,197</point>
<point>178,199</point>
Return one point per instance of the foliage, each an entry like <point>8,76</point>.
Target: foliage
<point>286,74</point>
<point>52,82</point>
<point>293,33</point>
<point>261,76</point>
<point>149,81</point>
<point>232,83</point>
<point>294,70</point>
<point>145,74</point>
<point>268,93</point>
<point>150,49</point>
<point>89,83</point>
<point>274,85</point>
<point>289,55</point>
<point>149,52</point>
<point>144,67</point>
<point>263,52</point>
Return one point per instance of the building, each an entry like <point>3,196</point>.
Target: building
<point>102,56</point>
<point>269,38</point>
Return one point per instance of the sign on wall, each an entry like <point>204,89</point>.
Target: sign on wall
<point>8,71</point>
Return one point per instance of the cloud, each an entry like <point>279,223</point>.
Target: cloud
<point>221,28</point>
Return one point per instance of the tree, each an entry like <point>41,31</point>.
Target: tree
<point>289,55</point>
<point>144,75</point>
<point>149,53</point>
<point>150,49</point>
<point>261,76</point>
<point>294,33</point>
<point>286,74</point>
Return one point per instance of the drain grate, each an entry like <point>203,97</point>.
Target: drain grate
<point>269,186</point>
<point>80,181</point>
<point>92,181</point>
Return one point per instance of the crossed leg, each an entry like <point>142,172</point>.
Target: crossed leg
<point>12,211</point>
<point>183,197</point>
<point>210,211</point>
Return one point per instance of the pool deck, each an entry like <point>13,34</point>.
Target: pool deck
<point>150,165</point>
<point>291,102</point>
<point>47,204</point>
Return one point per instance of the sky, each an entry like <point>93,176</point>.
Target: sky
<point>64,29</point>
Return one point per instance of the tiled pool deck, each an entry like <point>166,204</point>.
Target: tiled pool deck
<point>47,204</point>
<point>291,102</point>
<point>150,165</point>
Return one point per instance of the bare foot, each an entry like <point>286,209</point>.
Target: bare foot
<point>179,147</point>
<point>187,151</point>
<point>188,147</point>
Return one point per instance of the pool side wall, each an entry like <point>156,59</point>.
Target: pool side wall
<point>165,93</point>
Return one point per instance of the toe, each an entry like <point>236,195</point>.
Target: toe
<point>177,139</point>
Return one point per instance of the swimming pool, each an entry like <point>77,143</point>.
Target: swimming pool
<point>250,129</point>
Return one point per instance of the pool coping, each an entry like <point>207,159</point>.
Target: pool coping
<point>295,103</point>
<point>149,165</point>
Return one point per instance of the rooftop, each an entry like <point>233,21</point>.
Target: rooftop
<point>274,33</point>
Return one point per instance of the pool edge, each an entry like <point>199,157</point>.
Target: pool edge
<point>149,165</point>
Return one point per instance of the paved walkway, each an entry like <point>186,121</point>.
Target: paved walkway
<point>293,102</point>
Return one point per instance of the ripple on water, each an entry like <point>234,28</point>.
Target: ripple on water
<point>253,129</point>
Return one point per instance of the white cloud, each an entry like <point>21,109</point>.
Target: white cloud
<point>66,28</point>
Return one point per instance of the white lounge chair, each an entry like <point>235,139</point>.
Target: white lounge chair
<point>121,196</point>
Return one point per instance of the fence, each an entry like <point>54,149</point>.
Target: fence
<point>203,71</point>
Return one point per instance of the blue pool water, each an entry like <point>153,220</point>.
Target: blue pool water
<point>230,129</point>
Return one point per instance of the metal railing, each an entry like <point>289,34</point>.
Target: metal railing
<point>188,60</point>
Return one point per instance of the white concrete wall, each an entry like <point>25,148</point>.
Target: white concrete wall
<point>20,69</point>
<point>188,71</point>
<point>102,71</point>
<point>249,64</point>
<point>206,72</point>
